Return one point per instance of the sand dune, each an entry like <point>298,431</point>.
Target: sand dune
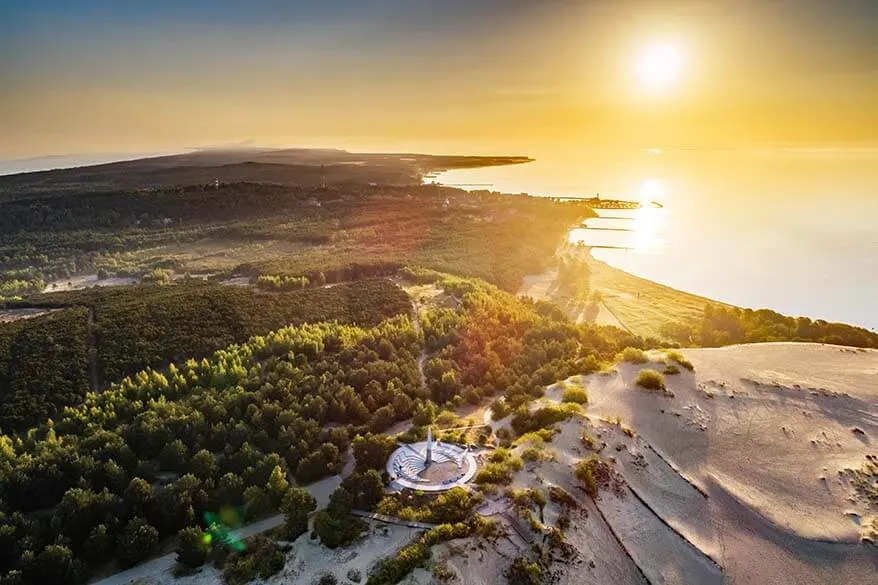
<point>766,431</point>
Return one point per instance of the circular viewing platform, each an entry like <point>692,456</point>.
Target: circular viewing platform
<point>431,466</point>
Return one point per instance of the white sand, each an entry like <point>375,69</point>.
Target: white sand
<point>779,423</point>
<point>10,315</point>
<point>86,281</point>
<point>309,560</point>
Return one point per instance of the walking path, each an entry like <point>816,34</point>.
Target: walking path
<point>166,563</point>
<point>393,520</point>
<point>321,490</point>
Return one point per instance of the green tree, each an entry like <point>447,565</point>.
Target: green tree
<point>203,466</point>
<point>297,504</point>
<point>277,485</point>
<point>55,565</point>
<point>230,489</point>
<point>366,489</point>
<point>193,547</point>
<point>256,502</point>
<point>371,451</point>
<point>137,542</point>
<point>335,529</point>
<point>174,455</point>
<point>98,547</point>
<point>139,497</point>
<point>425,414</point>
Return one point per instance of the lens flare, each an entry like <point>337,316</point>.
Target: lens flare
<point>659,66</point>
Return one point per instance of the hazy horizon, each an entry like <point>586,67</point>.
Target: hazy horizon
<point>99,77</point>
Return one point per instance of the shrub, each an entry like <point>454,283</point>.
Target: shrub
<point>527,498</point>
<point>392,570</point>
<point>158,276</point>
<point>588,441</point>
<point>633,355</point>
<point>296,505</point>
<point>561,496</point>
<point>337,529</point>
<point>261,558</point>
<point>193,549</point>
<point>671,370</point>
<point>138,542</point>
<point>524,572</point>
<point>678,357</point>
<point>575,394</point>
<point>594,473</point>
<point>651,380</point>
<point>498,471</point>
<point>525,421</point>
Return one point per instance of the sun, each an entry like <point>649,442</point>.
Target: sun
<point>659,66</point>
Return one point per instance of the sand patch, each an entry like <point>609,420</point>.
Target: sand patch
<point>10,315</point>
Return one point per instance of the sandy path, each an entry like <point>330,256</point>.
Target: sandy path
<point>10,315</point>
<point>161,567</point>
<point>86,281</point>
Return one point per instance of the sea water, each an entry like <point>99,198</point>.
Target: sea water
<point>789,229</point>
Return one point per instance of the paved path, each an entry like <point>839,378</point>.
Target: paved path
<point>321,490</point>
<point>166,563</point>
<point>393,520</point>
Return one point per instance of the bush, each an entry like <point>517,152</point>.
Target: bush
<point>393,570</point>
<point>524,572</point>
<point>261,558</point>
<point>588,441</point>
<point>137,543</point>
<point>499,471</point>
<point>671,370</point>
<point>337,528</point>
<point>678,357</point>
<point>633,355</point>
<point>296,505</point>
<point>192,549</point>
<point>575,394</point>
<point>651,380</point>
<point>525,421</point>
<point>158,276</point>
<point>594,472</point>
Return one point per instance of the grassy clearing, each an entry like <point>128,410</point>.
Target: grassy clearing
<point>641,305</point>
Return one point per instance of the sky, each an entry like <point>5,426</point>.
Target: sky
<point>505,76</point>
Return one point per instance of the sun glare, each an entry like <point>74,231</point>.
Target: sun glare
<point>648,219</point>
<point>651,190</point>
<point>659,66</point>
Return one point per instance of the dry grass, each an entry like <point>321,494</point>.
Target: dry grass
<point>641,305</point>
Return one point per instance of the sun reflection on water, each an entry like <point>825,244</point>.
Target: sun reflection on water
<point>639,230</point>
<point>648,220</point>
